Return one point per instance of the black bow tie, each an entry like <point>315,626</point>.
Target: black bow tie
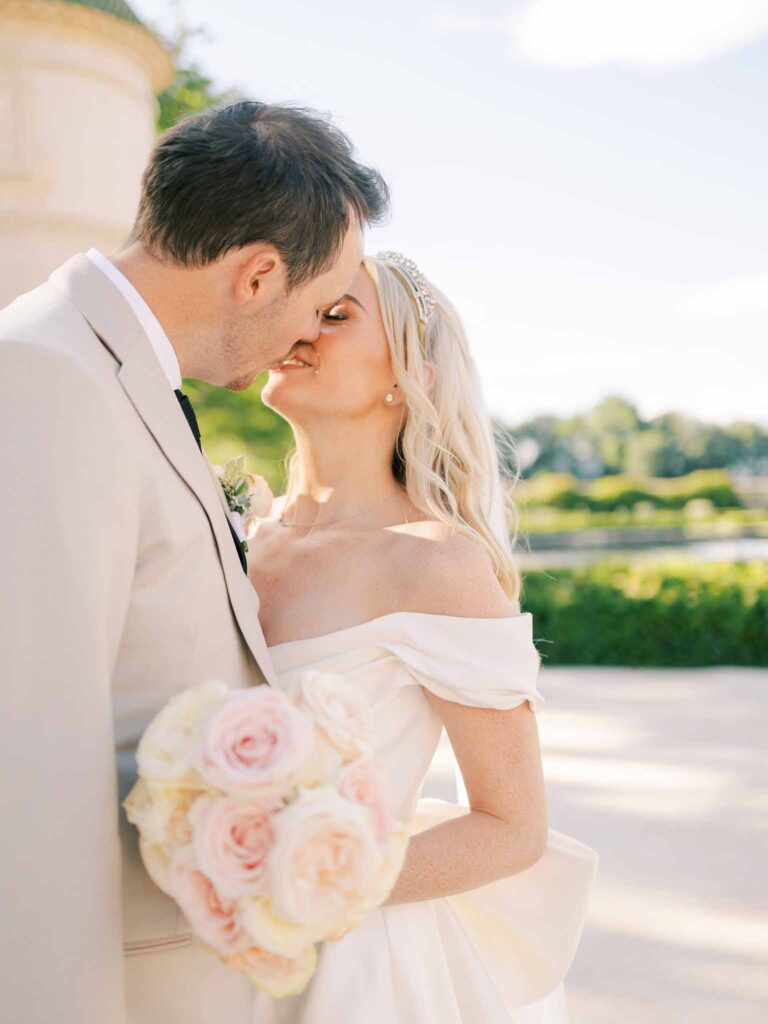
<point>189,415</point>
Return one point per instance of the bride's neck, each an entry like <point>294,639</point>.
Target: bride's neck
<point>343,468</point>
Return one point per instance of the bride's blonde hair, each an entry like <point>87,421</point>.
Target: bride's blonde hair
<point>447,454</point>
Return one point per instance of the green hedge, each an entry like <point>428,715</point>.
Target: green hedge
<point>714,484</point>
<point>675,614</point>
<point>724,521</point>
<point>607,493</point>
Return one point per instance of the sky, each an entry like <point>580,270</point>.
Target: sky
<point>585,179</point>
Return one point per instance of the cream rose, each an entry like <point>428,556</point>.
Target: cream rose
<point>256,745</point>
<point>260,500</point>
<point>340,710</point>
<point>324,860</point>
<point>391,866</point>
<point>166,748</point>
<point>270,932</point>
<point>160,812</point>
<point>248,495</point>
<point>324,764</point>
<point>231,840</point>
<point>276,975</point>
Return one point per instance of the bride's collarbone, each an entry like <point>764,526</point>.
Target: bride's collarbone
<point>329,574</point>
<point>375,571</point>
<point>320,587</point>
<point>283,544</point>
<point>392,560</point>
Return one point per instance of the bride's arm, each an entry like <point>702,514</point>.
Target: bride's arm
<point>505,830</point>
<point>499,756</point>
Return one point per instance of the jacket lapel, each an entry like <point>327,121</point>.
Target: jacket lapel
<point>141,376</point>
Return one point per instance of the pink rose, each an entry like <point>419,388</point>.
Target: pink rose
<point>215,920</point>
<point>363,781</point>
<point>231,841</point>
<point>255,745</point>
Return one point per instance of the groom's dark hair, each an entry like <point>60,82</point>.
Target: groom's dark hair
<point>255,172</point>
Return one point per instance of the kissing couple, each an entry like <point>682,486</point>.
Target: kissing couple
<point>388,560</point>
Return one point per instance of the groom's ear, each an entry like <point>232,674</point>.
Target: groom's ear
<point>258,275</point>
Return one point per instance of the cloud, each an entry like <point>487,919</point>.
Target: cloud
<point>739,295</point>
<point>650,34</point>
<point>462,23</point>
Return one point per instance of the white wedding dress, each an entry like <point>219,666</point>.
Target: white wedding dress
<point>496,954</point>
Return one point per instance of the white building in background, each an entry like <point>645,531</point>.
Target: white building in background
<point>78,84</point>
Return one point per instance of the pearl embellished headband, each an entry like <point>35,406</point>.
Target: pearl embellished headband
<point>417,283</point>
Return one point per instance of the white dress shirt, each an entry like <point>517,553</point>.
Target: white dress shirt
<point>158,339</point>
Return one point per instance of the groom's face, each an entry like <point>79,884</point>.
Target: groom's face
<point>266,336</point>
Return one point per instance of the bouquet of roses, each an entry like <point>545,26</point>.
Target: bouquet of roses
<point>268,820</point>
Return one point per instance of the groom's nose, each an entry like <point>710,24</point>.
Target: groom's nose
<point>313,332</point>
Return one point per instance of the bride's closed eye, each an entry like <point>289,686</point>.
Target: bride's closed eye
<point>335,315</point>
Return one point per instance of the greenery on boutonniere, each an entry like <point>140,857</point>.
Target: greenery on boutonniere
<point>248,495</point>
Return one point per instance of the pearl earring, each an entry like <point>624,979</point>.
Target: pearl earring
<point>389,397</point>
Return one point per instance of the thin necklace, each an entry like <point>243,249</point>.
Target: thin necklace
<point>341,519</point>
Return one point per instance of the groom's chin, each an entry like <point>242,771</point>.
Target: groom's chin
<point>241,383</point>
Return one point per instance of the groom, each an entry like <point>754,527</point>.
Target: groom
<point>121,578</point>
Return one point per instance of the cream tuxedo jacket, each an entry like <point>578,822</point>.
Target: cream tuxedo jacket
<point>119,586</point>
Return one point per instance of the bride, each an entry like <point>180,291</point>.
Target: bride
<point>388,560</point>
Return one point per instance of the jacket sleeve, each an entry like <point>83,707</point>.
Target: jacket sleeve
<point>68,536</point>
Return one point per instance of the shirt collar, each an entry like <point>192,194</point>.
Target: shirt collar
<point>158,339</point>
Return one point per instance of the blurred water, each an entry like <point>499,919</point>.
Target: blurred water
<point>726,549</point>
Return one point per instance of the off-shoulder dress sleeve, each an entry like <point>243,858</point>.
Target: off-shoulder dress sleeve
<point>484,663</point>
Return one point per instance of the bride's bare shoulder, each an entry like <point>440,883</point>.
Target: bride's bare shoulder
<point>442,570</point>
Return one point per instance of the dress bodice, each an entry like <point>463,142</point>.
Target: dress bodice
<point>394,658</point>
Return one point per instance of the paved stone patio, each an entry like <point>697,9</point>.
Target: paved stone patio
<point>665,774</point>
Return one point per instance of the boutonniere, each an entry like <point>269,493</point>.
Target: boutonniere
<point>248,495</point>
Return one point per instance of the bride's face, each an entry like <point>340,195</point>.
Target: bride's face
<point>346,373</point>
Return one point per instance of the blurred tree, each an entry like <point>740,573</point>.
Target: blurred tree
<point>611,424</point>
<point>749,452</point>
<point>648,454</point>
<point>550,452</point>
<point>613,438</point>
<point>191,90</point>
